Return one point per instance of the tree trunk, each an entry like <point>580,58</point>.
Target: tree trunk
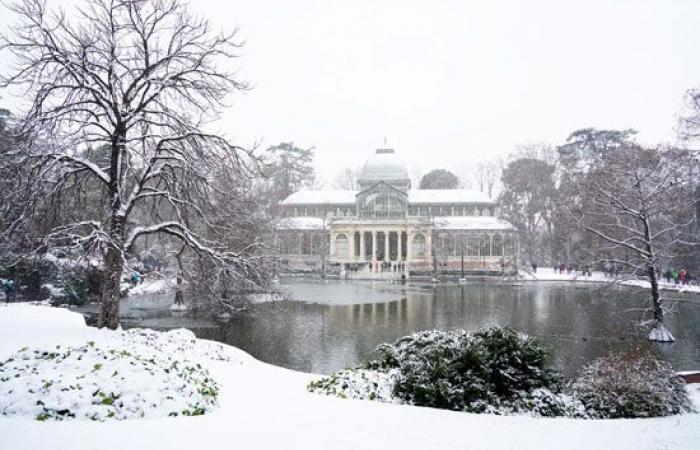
<point>179,301</point>
<point>658,332</point>
<point>655,297</point>
<point>109,306</point>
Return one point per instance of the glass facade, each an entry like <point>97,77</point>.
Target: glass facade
<point>382,202</point>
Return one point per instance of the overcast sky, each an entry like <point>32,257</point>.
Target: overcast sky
<point>452,82</point>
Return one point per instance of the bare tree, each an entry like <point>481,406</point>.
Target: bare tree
<point>527,201</point>
<point>347,179</point>
<point>689,119</point>
<point>487,175</point>
<point>143,78</point>
<point>636,202</point>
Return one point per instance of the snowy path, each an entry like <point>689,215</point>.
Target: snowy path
<point>267,407</point>
<point>548,274</point>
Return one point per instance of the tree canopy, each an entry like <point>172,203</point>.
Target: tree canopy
<point>439,179</point>
<point>137,81</point>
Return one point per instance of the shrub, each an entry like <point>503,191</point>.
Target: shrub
<point>133,374</point>
<point>358,384</point>
<point>631,385</point>
<point>489,370</point>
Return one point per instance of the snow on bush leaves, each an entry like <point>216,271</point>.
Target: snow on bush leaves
<point>468,372</point>
<point>631,385</point>
<point>136,373</point>
<point>358,384</point>
<point>491,371</point>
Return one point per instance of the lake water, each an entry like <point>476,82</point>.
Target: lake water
<point>326,327</point>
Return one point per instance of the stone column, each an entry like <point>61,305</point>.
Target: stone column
<point>374,245</point>
<point>399,251</point>
<point>332,245</point>
<point>429,245</point>
<point>387,247</point>
<point>362,246</point>
<point>351,246</point>
<point>409,246</point>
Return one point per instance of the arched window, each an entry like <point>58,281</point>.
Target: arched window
<point>497,245</point>
<point>383,202</point>
<point>341,246</point>
<point>419,245</point>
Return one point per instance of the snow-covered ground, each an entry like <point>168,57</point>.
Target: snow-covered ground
<point>151,286</point>
<point>267,407</point>
<point>548,274</point>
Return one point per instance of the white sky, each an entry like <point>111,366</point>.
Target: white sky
<point>452,82</point>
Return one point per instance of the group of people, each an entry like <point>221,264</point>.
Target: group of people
<point>568,268</point>
<point>611,270</point>
<point>387,266</point>
<point>10,288</point>
<point>676,276</point>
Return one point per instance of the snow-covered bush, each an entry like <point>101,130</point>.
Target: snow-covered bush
<point>61,280</point>
<point>358,384</point>
<point>631,385</point>
<point>461,371</point>
<point>138,373</point>
<point>545,403</point>
<point>492,371</point>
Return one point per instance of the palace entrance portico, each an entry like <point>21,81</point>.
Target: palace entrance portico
<point>385,245</point>
<point>355,241</point>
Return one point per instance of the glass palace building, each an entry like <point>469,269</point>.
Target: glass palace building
<point>386,221</point>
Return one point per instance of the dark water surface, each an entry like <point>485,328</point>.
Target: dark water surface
<point>326,327</point>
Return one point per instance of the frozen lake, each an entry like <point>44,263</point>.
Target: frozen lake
<point>326,327</point>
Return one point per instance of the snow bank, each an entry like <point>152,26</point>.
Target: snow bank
<point>115,375</point>
<point>548,274</point>
<point>150,287</point>
<point>98,382</point>
<point>263,407</point>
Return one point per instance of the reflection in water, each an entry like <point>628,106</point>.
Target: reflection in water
<point>339,324</point>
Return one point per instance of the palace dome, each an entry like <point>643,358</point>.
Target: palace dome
<point>384,165</point>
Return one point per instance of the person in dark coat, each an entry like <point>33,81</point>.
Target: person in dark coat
<point>10,288</point>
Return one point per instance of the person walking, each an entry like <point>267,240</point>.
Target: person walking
<point>682,276</point>
<point>10,288</point>
<point>667,276</point>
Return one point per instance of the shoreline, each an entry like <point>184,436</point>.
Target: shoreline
<point>257,397</point>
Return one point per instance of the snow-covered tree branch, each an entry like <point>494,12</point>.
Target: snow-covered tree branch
<point>140,80</point>
<point>638,203</point>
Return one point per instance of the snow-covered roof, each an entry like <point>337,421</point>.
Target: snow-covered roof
<point>383,165</point>
<point>441,223</point>
<point>321,198</point>
<point>415,197</point>
<point>301,223</point>
<point>472,223</point>
<point>432,196</point>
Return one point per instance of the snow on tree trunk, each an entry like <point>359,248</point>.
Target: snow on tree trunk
<point>660,333</point>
